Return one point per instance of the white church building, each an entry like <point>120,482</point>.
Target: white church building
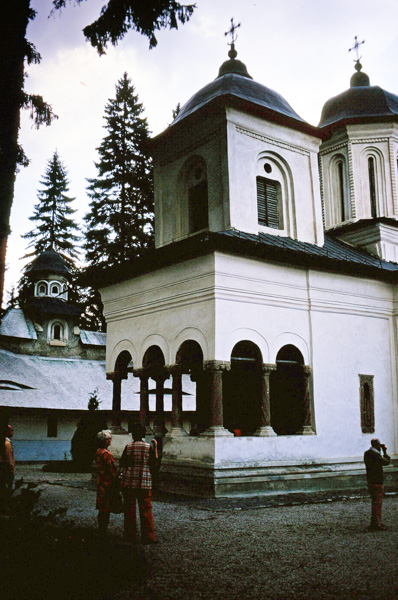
<point>273,284</point>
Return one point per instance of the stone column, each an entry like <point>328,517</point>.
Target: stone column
<point>265,429</point>
<point>116,426</point>
<point>177,429</point>
<point>202,400</point>
<point>215,371</point>
<point>144,399</point>
<point>306,428</point>
<point>160,428</point>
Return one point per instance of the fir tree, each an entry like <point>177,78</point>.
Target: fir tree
<point>119,223</point>
<point>53,214</point>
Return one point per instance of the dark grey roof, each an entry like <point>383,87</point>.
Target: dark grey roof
<point>333,250</point>
<point>53,306</point>
<point>66,383</point>
<point>49,261</point>
<point>238,86</point>
<point>16,324</point>
<point>93,338</point>
<point>360,103</point>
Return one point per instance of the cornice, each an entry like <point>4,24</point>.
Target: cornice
<point>270,140</point>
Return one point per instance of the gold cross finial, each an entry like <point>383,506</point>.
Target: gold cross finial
<point>356,48</point>
<point>232,32</point>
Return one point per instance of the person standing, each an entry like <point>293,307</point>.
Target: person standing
<point>137,461</point>
<point>107,479</point>
<point>374,462</point>
<point>7,465</point>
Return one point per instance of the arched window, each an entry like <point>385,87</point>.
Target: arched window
<point>372,186</point>
<point>42,289</point>
<point>274,190</point>
<point>269,203</point>
<point>341,189</point>
<point>57,331</point>
<point>367,403</point>
<point>339,210</point>
<point>198,207</point>
<point>55,289</point>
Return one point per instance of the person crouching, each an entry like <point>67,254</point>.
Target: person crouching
<point>137,461</point>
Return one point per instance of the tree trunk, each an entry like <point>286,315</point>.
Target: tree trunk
<point>13,23</point>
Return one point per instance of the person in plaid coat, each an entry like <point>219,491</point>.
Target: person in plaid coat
<point>137,461</point>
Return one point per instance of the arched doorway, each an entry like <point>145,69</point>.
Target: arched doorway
<point>288,387</point>
<point>242,389</point>
<point>153,364</point>
<point>190,358</point>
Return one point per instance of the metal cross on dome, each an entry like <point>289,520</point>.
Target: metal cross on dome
<point>232,32</point>
<point>356,48</point>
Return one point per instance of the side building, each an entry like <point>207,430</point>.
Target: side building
<point>49,367</point>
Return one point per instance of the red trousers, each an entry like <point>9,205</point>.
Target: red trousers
<point>143,497</point>
<point>376,492</point>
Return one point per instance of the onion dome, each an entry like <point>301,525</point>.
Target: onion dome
<point>233,81</point>
<point>359,104</point>
<point>49,261</point>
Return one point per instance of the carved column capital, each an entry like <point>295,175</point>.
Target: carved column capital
<point>268,368</point>
<point>216,365</point>
<point>307,370</point>
<point>141,373</point>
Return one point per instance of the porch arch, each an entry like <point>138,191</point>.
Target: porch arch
<point>242,389</point>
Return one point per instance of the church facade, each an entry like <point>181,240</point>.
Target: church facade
<point>272,285</point>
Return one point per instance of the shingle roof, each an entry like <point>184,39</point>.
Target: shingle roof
<point>66,383</point>
<point>334,256</point>
<point>93,338</point>
<point>16,324</point>
<point>49,261</point>
<point>53,306</point>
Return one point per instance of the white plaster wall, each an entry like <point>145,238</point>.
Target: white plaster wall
<point>248,138</point>
<point>342,325</point>
<point>163,308</point>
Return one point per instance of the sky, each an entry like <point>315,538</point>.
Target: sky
<point>297,47</point>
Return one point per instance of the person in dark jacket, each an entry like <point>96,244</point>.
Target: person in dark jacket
<point>374,462</point>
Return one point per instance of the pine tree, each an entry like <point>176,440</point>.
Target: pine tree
<point>119,223</point>
<point>53,214</point>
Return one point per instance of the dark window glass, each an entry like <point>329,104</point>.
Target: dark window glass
<point>268,203</point>
<point>198,207</point>
<point>341,199</point>
<point>367,403</point>
<point>372,186</point>
<point>57,332</point>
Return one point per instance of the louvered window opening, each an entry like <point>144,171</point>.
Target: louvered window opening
<point>268,203</point>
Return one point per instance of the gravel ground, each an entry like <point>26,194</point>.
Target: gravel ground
<point>245,549</point>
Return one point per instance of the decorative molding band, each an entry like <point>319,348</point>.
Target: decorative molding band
<point>264,138</point>
<point>370,140</point>
<point>393,179</point>
<point>333,148</point>
<point>351,182</point>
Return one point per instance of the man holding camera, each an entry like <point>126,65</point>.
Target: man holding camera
<point>374,462</point>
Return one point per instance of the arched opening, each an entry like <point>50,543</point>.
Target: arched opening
<point>242,389</point>
<point>372,186</point>
<point>122,362</point>
<point>190,358</point>
<point>197,196</point>
<point>287,391</point>
<point>42,289</point>
<point>153,358</point>
<point>57,331</point>
<point>54,289</point>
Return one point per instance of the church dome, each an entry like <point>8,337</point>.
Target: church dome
<point>359,103</point>
<point>233,80</point>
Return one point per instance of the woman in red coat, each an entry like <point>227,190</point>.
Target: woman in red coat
<point>106,480</point>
